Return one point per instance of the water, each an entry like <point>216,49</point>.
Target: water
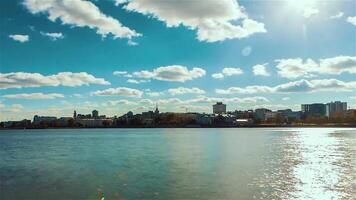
<point>280,163</point>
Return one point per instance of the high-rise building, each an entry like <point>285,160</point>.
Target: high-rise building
<point>95,114</point>
<point>335,107</point>
<point>219,108</point>
<point>315,109</point>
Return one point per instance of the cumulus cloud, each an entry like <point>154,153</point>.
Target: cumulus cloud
<point>308,12</point>
<point>53,36</point>
<point>34,96</point>
<point>134,81</point>
<point>260,70</point>
<point>120,91</point>
<point>120,102</point>
<point>204,99</point>
<point>176,73</point>
<point>296,67</point>
<point>154,94</point>
<point>228,71</point>
<point>20,38</point>
<point>24,79</point>
<point>184,90</point>
<point>352,20</point>
<point>295,86</point>
<point>80,13</point>
<point>338,65</point>
<point>217,75</point>
<point>213,20</point>
<point>338,15</point>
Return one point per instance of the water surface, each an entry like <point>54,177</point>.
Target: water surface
<point>270,163</point>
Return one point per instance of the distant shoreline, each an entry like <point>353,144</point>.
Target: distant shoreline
<point>204,127</point>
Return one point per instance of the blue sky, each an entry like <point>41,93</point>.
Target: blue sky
<point>117,56</point>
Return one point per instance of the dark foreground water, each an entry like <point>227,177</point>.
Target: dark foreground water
<point>80,164</point>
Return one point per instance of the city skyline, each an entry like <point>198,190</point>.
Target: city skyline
<point>130,55</point>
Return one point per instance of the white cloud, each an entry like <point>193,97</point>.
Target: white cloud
<point>176,73</point>
<point>260,70</point>
<point>353,97</point>
<point>286,98</point>
<point>295,86</point>
<point>351,20</point>
<point>80,13</point>
<point>12,108</point>
<point>296,67</point>
<point>24,79</point>
<point>20,38</point>
<point>338,65</point>
<point>120,102</point>
<point>204,99</point>
<point>119,73</point>
<point>132,43</point>
<point>246,51</point>
<point>121,91</point>
<point>217,75</point>
<point>134,81</point>
<point>338,15</point>
<point>184,90</point>
<point>228,71</point>
<point>53,36</point>
<point>34,96</point>
<point>154,94</point>
<point>213,20</point>
<point>308,12</point>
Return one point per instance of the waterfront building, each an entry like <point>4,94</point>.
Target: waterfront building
<point>271,115</point>
<point>95,114</point>
<point>219,108</point>
<point>16,124</point>
<point>336,108</point>
<point>260,113</point>
<point>289,114</point>
<point>94,122</point>
<point>45,119</point>
<point>315,109</point>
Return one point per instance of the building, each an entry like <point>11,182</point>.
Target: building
<point>92,123</point>
<point>260,113</point>
<point>271,115</point>
<point>288,114</point>
<point>43,119</point>
<point>16,124</point>
<point>315,109</point>
<point>335,108</point>
<point>95,114</point>
<point>219,108</point>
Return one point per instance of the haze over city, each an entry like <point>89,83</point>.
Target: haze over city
<point>120,56</point>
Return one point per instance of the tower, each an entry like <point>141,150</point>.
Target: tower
<point>156,111</point>
<point>75,114</point>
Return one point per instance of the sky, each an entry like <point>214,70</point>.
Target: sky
<point>57,56</point>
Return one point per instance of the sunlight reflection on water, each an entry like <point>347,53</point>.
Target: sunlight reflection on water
<point>317,164</point>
